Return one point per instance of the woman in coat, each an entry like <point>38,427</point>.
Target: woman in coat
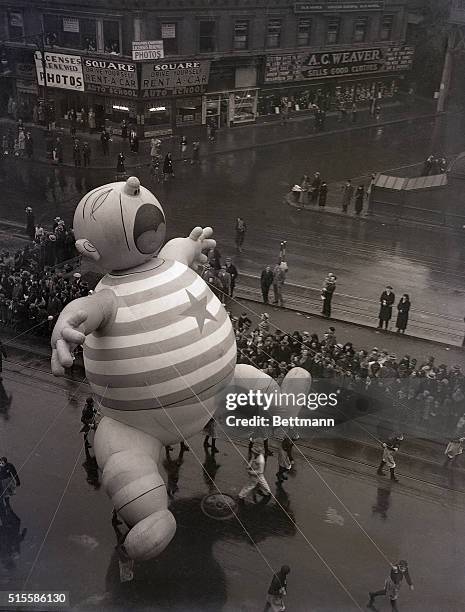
<point>168,169</point>
<point>403,308</point>
<point>359,198</point>
<point>120,169</point>
<point>305,186</point>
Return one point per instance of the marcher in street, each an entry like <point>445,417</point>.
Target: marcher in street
<point>195,152</point>
<point>210,432</point>
<point>327,292</point>
<point>225,279</point>
<point>388,460</point>
<point>260,435</point>
<point>124,129</point>
<point>323,195</point>
<point>403,309</point>
<point>3,355</point>
<point>105,141</point>
<point>453,450</point>
<point>360,195</point>
<point>29,145</point>
<point>316,183</point>
<point>240,229</point>
<point>58,151</point>
<point>392,585</point>
<point>89,412</point>
<point>266,280</point>
<point>347,195</point>
<point>279,278</point>
<point>133,141</point>
<point>86,154</point>
<point>277,591</point>
<point>30,223</point>
<point>77,157</point>
<point>155,148</point>
<point>386,301</point>
<point>120,169</point>
<point>305,185</point>
<point>168,170</point>
<point>211,132</point>
<point>9,480</point>
<point>233,273</point>
<point>257,482</point>
<point>284,462</point>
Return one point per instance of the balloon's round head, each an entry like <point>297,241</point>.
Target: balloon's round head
<point>119,225</point>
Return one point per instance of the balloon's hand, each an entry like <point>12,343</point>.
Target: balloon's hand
<point>67,334</point>
<point>200,239</point>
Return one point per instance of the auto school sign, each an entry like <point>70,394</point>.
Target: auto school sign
<point>174,78</point>
<point>327,64</point>
<point>62,71</point>
<point>110,77</point>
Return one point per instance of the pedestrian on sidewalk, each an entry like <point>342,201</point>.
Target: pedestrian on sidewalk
<point>284,462</point>
<point>305,186</point>
<point>377,111</point>
<point>387,459</point>
<point>195,152</point>
<point>392,585</point>
<point>453,449</point>
<point>86,154</point>
<point>279,278</point>
<point>29,145</point>
<point>120,169</point>
<point>168,170</point>
<point>21,142</point>
<point>240,229</point>
<point>277,591</point>
<point>91,120</point>
<point>155,168</point>
<point>329,287</point>
<point>266,280</point>
<point>233,272</point>
<point>386,301</point>
<point>315,190</point>
<point>210,432</point>
<point>360,195</point>
<point>211,132</point>
<point>323,194</point>
<point>155,147</point>
<point>347,195</point>
<point>133,141</point>
<point>77,154</point>
<point>124,129</point>
<point>105,142</point>
<point>354,113</point>
<point>403,309</point>
<point>257,482</point>
<point>30,223</point>
<point>183,146</point>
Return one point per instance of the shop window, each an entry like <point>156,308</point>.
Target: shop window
<point>15,25</point>
<point>70,32</point>
<point>303,32</point>
<point>360,29</point>
<point>158,113</point>
<point>273,35</point>
<point>188,111</point>
<point>111,41</point>
<point>169,33</point>
<point>334,28</point>
<point>207,36</point>
<point>241,35</point>
<point>387,23</point>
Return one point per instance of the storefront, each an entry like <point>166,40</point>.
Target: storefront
<point>228,108</point>
<point>327,78</point>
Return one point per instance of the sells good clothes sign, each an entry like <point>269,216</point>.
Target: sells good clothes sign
<point>310,66</point>
<point>110,77</point>
<point>174,78</point>
<point>62,71</point>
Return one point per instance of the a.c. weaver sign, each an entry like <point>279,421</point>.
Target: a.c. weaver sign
<point>338,5</point>
<point>174,78</point>
<point>328,64</point>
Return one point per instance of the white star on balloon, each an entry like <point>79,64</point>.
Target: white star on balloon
<point>198,310</point>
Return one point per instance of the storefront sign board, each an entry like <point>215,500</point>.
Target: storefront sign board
<point>174,78</point>
<point>110,77</point>
<point>63,71</point>
<point>146,50</point>
<point>338,6</point>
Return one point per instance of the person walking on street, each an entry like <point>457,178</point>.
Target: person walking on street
<point>386,301</point>
<point>257,482</point>
<point>124,129</point>
<point>387,459</point>
<point>277,591</point>
<point>58,151</point>
<point>86,154</point>
<point>241,229</point>
<point>183,146</point>
<point>105,141</point>
<point>3,355</point>
<point>133,141</point>
<point>225,279</point>
<point>428,165</point>
<point>120,169</point>
<point>77,157</point>
<point>284,462</point>
<point>88,415</point>
<point>347,195</point>
<point>315,190</point>
<point>233,273</point>
<point>453,449</point>
<point>392,585</point>
<point>279,278</point>
<point>266,280</point>
<point>195,152</point>
<point>360,195</point>
<point>29,145</point>
<point>327,292</point>
<point>168,170</point>
<point>211,132</point>
<point>9,480</point>
<point>155,147</point>
<point>323,194</point>
<point>210,432</point>
<point>403,309</point>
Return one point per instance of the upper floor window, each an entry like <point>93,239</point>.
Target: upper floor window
<point>207,36</point>
<point>360,29</point>
<point>169,35</point>
<point>15,25</point>
<point>111,42</point>
<point>387,23</point>
<point>241,34</point>
<point>273,35</point>
<point>304,27</point>
<point>334,28</point>
<point>83,33</point>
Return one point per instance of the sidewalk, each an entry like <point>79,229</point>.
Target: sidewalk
<point>240,138</point>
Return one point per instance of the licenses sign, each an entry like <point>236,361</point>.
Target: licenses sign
<point>110,77</point>
<point>174,78</point>
<point>147,50</point>
<point>70,24</point>
<point>338,5</point>
<point>324,65</point>
<point>63,71</point>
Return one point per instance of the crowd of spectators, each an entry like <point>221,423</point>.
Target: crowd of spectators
<point>37,281</point>
<point>422,394</point>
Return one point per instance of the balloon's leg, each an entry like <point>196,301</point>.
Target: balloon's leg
<point>129,460</point>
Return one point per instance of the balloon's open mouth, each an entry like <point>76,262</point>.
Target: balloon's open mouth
<point>149,229</point>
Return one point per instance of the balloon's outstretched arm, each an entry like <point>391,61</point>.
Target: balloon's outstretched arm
<point>189,250</point>
<point>78,319</point>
